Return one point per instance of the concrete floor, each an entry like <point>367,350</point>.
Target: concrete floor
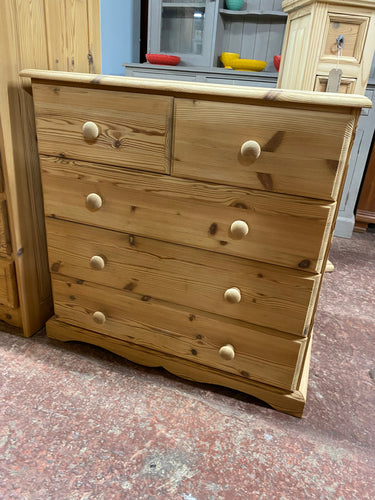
<point>77,422</point>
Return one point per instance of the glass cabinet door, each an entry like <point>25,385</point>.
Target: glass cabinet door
<point>184,28</point>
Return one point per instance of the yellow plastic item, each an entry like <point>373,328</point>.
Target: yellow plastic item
<point>248,65</point>
<point>227,58</point>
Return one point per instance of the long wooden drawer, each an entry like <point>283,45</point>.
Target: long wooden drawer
<point>134,129</point>
<point>301,153</point>
<point>270,296</point>
<point>260,354</point>
<point>284,230</point>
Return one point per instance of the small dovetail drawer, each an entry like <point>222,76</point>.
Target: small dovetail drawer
<point>188,225</point>
<point>124,129</point>
<point>295,156</point>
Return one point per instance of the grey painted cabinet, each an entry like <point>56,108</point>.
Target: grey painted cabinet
<point>184,28</point>
<point>200,30</point>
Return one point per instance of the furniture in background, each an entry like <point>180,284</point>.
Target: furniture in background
<point>357,165</point>
<point>201,74</point>
<point>199,31</point>
<point>365,213</point>
<point>185,227</point>
<point>310,52</point>
<point>314,32</point>
<point>48,35</point>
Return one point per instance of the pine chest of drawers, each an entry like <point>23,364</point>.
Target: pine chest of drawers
<point>188,225</point>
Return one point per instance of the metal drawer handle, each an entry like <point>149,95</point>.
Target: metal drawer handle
<point>227,352</point>
<point>90,131</point>
<point>251,150</point>
<point>233,295</point>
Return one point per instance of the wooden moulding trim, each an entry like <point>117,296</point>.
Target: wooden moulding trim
<point>285,401</point>
<point>189,89</point>
<point>365,216</point>
<point>290,5</point>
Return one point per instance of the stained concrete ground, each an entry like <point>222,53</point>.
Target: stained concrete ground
<point>78,422</point>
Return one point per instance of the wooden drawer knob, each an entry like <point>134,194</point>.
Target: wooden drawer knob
<point>227,352</point>
<point>97,262</point>
<point>251,150</point>
<point>94,201</point>
<point>90,131</point>
<point>239,229</point>
<point>233,295</point>
<point>99,317</point>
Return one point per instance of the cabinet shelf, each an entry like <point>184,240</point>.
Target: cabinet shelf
<point>252,13</point>
<point>186,5</point>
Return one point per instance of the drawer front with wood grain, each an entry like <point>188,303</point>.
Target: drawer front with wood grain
<point>8,284</point>
<point>268,148</point>
<point>5,239</point>
<point>265,295</point>
<point>277,229</point>
<point>125,129</point>
<point>229,345</point>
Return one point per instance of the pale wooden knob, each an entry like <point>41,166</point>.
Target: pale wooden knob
<point>233,295</point>
<point>90,131</point>
<point>94,201</point>
<point>251,150</point>
<point>239,229</point>
<point>97,262</point>
<point>227,352</point>
<point>99,317</point>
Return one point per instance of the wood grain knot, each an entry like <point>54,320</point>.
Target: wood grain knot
<point>145,298</point>
<point>245,374</point>
<point>80,282</point>
<point>130,286</point>
<point>194,352</point>
<point>55,267</point>
<point>213,228</point>
<point>72,297</point>
<point>238,204</point>
<point>260,275</point>
<point>117,143</point>
<point>304,264</point>
<point>223,242</point>
<point>191,317</point>
<point>131,240</point>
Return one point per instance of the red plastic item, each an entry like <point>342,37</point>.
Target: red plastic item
<point>163,59</point>
<point>276,62</point>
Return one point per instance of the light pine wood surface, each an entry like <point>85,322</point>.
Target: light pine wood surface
<point>295,157</point>
<point>35,34</point>
<point>291,402</point>
<point>310,48</point>
<point>133,129</point>
<point>283,230</point>
<point>270,296</point>
<point>184,332</point>
<point>210,268</point>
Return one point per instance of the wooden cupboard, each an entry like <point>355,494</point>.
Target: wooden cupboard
<point>44,34</point>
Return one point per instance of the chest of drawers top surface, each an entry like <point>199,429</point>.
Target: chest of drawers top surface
<point>188,224</point>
